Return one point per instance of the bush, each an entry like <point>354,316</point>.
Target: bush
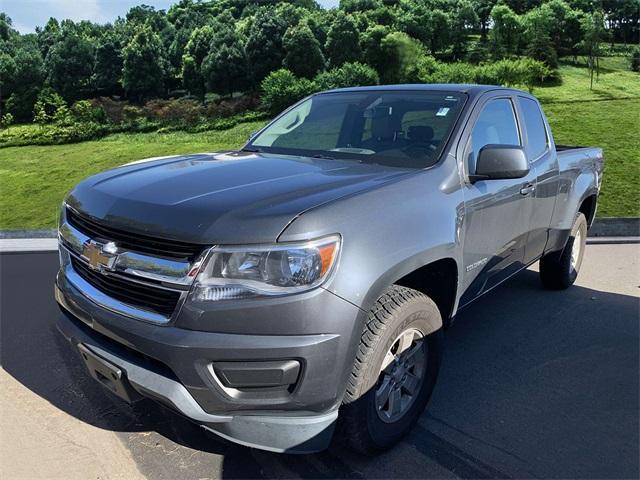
<point>6,121</point>
<point>84,111</point>
<point>452,73</point>
<point>348,75</point>
<point>424,68</point>
<point>51,108</point>
<point>21,104</point>
<point>635,60</point>
<point>231,106</point>
<point>181,110</point>
<point>113,109</point>
<point>281,88</point>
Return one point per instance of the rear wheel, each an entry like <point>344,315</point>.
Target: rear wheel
<point>559,270</point>
<point>395,370</point>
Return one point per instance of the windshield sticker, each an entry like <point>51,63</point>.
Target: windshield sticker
<point>442,112</point>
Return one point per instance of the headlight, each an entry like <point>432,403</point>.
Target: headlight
<point>265,270</point>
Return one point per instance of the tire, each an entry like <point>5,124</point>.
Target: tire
<point>401,315</point>
<point>559,270</point>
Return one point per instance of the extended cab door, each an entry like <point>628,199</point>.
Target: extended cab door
<point>543,162</point>
<point>497,212</point>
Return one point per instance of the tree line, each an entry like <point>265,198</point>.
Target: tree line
<point>197,48</point>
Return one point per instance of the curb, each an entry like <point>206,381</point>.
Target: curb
<point>4,234</point>
<point>615,227</point>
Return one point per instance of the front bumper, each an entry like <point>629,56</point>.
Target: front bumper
<point>177,366</point>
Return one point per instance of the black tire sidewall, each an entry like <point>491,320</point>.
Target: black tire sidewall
<point>383,434</point>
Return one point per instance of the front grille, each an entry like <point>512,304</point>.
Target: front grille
<point>133,241</point>
<point>137,295</point>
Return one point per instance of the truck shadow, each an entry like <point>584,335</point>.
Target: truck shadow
<point>525,371</point>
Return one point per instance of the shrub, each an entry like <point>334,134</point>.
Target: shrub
<point>282,88</point>
<point>452,73</point>
<point>50,108</point>
<point>84,111</point>
<point>21,104</point>
<point>421,70</point>
<point>113,109</point>
<point>348,75</point>
<point>231,106</point>
<point>6,121</point>
<point>173,111</point>
<point>635,59</point>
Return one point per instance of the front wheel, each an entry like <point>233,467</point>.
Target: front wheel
<point>559,270</point>
<point>395,370</point>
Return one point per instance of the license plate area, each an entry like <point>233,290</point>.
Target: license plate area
<point>109,375</point>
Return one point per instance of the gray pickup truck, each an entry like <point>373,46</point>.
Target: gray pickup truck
<point>300,285</point>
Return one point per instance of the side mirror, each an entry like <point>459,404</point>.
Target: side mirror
<point>496,162</point>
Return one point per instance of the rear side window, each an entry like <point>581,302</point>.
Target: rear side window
<point>496,125</point>
<point>536,133</point>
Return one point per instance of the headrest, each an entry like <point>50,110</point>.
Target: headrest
<point>420,133</point>
<point>382,128</point>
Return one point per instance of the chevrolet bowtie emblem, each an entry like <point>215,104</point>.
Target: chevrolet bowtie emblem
<point>101,256</point>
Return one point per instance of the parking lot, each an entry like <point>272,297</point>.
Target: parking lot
<point>534,384</point>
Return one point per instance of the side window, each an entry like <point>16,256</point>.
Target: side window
<point>496,124</point>
<point>536,133</point>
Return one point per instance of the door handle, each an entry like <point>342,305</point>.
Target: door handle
<point>527,189</point>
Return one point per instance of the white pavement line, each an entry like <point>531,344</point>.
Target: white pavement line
<point>8,245</point>
<point>612,240</point>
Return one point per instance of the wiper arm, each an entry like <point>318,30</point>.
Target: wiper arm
<point>250,149</point>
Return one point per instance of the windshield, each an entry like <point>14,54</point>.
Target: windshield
<point>403,129</point>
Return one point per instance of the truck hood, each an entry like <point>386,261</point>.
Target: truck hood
<point>220,198</point>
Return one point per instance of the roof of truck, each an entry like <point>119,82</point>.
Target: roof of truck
<point>438,87</point>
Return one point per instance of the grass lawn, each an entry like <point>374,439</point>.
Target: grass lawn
<point>34,179</point>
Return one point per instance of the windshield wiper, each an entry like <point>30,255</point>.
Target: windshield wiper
<point>250,149</point>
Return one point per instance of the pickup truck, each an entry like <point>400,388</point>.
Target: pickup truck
<point>301,284</point>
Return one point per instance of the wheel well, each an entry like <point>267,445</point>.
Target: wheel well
<point>588,208</point>
<point>437,280</point>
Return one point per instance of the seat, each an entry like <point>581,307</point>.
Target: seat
<point>420,134</point>
<point>383,135</point>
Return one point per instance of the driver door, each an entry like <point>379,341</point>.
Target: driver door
<point>497,213</point>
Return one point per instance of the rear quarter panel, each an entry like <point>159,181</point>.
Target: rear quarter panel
<point>580,177</point>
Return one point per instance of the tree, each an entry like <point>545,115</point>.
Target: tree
<point>144,65</point>
<point>538,25</point>
<point>196,50</point>
<point>343,42</point>
<point>264,45</point>
<point>593,35</point>
<point>505,34</point>
<point>281,88</point>
<point>303,53</point>
<point>413,19</point>
<point>462,20</point>
<point>69,65</point>
<point>107,70</point>
<point>348,75</point>
<point>48,36</point>
<point>25,81</point>
<point>225,68</point>
<point>372,50</point>
<point>400,52</point>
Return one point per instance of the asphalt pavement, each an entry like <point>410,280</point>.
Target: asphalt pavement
<point>534,384</point>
